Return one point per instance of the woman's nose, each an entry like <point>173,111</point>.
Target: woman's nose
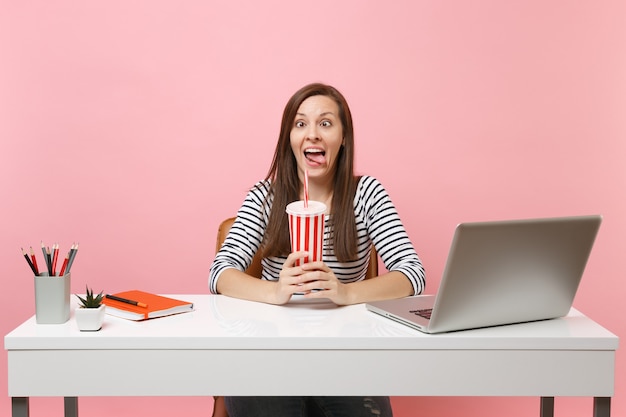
<point>312,133</point>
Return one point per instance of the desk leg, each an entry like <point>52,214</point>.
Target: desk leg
<point>547,407</point>
<point>71,406</point>
<point>20,407</point>
<point>601,406</point>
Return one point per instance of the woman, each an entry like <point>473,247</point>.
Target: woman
<point>317,136</point>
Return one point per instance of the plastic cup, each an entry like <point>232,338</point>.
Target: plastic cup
<point>306,229</point>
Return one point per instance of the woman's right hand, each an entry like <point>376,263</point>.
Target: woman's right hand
<point>290,278</point>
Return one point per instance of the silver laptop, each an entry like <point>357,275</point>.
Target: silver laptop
<point>502,272</point>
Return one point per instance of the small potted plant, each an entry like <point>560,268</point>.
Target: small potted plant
<point>90,314</point>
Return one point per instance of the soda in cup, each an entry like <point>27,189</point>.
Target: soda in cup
<point>306,228</point>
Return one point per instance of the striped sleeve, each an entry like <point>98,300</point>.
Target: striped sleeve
<point>245,236</point>
<point>386,231</point>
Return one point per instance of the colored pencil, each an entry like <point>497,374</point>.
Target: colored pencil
<point>73,251</point>
<point>45,257</point>
<point>67,257</point>
<point>34,259</point>
<point>49,260</point>
<point>30,263</point>
<point>55,256</point>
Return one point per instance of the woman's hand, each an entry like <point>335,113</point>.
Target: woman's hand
<point>319,281</point>
<point>291,278</point>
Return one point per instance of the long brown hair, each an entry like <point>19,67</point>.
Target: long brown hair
<point>285,184</point>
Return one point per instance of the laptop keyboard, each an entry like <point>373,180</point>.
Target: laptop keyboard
<point>426,312</point>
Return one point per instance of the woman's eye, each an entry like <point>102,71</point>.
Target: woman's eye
<point>299,124</point>
<point>325,123</point>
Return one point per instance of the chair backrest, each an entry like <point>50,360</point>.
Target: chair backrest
<point>255,269</point>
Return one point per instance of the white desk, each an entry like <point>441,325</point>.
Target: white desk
<point>231,347</point>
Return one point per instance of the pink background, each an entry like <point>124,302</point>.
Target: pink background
<point>135,127</point>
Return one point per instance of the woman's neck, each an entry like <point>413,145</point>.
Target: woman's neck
<point>323,194</point>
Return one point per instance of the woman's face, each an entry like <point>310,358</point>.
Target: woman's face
<point>316,137</point>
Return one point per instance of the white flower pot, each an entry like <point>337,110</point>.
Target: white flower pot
<point>89,319</point>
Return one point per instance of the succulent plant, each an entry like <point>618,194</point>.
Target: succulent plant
<point>89,301</point>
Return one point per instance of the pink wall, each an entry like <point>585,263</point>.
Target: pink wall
<point>134,127</point>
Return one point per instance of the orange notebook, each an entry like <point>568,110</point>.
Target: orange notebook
<point>156,305</point>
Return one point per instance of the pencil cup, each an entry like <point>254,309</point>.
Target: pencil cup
<point>52,299</point>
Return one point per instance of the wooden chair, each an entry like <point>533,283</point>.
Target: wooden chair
<point>255,269</point>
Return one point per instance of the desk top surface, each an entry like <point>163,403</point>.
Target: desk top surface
<point>220,322</point>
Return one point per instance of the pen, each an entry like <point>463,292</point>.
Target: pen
<point>30,263</point>
<point>127,301</point>
<point>32,256</point>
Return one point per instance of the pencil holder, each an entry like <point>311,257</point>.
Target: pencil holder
<point>52,299</point>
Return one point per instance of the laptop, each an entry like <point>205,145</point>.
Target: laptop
<point>500,273</point>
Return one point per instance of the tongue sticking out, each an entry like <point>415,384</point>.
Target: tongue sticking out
<point>316,157</point>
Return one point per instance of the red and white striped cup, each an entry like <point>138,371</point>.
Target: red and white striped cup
<point>306,228</point>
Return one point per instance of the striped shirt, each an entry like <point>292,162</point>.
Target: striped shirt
<point>377,223</point>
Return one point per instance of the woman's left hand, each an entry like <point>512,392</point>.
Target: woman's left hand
<point>321,282</point>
